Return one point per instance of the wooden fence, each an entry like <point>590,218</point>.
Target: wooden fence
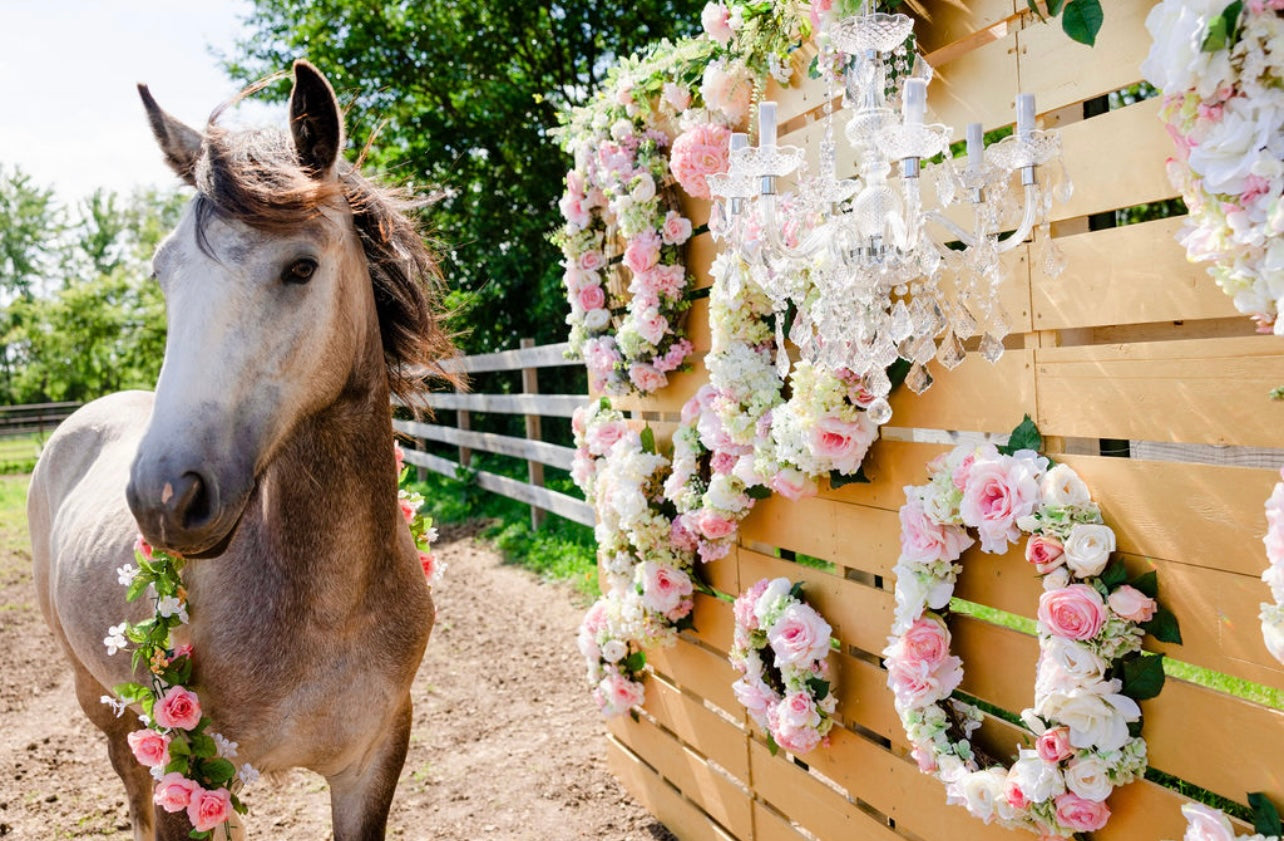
<point>530,404</point>
<point>1131,352</point>
<point>34,418</point>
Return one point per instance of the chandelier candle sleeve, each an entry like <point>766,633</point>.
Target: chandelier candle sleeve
<point>975,146</point>
<point>1025,116</point>
<point>767,124</point>
<point>915,101</point>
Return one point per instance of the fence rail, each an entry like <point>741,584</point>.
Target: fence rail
<point>530,404</point>
<point>31,418</point>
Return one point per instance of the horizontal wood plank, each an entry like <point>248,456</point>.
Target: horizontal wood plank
<point>548,405</point>
<point>693,723</point>
<point>681,816</point>
<point>507,445</point>
<point>575,510</point>
<point>699,670</point>
<point>541,356</point>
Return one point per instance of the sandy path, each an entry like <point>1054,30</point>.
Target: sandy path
<point>506,742</point>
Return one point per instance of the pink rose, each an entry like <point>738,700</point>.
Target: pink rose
<point>727,87</point>
<point>716,20</point>
<point>755,695</point>
<point>174,792</point>
<point>664,588</point>
<point>1132,604</point>
<point>798,710</point>
<point>797,740</point>
<point>429,563</point>
<point>408,510</point>
<point>646,378</point>
<point>917,685</point>
<point>572,207</point>
<point>676,229</point>
<point>1000,490</point>
<point>143,548</point>
<point>1046,553</point>
<point>677,96</point>
<point>924,541</point>
<point>150,748</point>
<point>1081,815</point>
<point>591,297</point>
<point>652,326</point>
<point>1075,612</point>
<point>1054,745</point>
<point>209,809</point>
<point>642,252</point>
<point>792,484</point>
<point>1015,796</point>
<point>575,182</point>
<point>592,261</point>
<point>700,151</point>
<point>713,525</point>
<point>398,456</point>
<point>184,650</point>
<point>178,708</point>
<point>616,694</point>
<point>743,606</point>
<point>601,437</point>
<point>843,444</point>
<point>595,618</point>
<point>925,758</point>
<point>799,636</point>
<point>926,641</point>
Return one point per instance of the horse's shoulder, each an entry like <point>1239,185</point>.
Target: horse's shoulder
<point>110,423</point>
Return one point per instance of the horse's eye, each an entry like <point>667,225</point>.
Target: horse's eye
<point>299,272</point>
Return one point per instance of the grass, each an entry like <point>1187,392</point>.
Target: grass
<point>559,549</point>
<point>18,454</point>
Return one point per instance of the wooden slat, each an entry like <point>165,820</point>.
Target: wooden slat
<point>682,817</point>
<point>706,674</point>
<point>714,622</point>
<point>954,401</point>
<point>543,356</point>
<point>575,510</point>
<point>1130,275</point>
<point>979,86</point>
<point>701,728</point>
<point>548,405</point>
<point>1196,391</point>
<point>942,24</point>
<point>862,538</point>
<point>712,791</point>
<point>999,666</point>
<point>817,807</point>
<point>1061,71</point>
<point>769,826</point>
<point>864,700</point>
<point>1116,160</point>
<point>670,399</point>
<point>507,445</point>
<point>859,615</point>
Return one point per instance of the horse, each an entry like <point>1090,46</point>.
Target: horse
<point>300,298</point>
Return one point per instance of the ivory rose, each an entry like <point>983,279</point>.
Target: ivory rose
<point>1062,487</point>
<point>700,151</point>
<point>613,651</point>
<point>1204,823</point>
<point>174,792</point>
<point>1088,548</point>
<point>1081,815</point>
<point>178,709</point>
<point>1096,716</point>
<point>1132,604</point>
<point>1075,612</point>
<point>150,748</point>
<point>980,792</point>
<point>799,636</point>
<point>727,88</point>
<point>209,809</point>
<point>1037,779</point>
<point>1089,777</point>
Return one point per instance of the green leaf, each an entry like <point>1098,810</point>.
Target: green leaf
<point>1163,626</point>
<point>634,662</point>
<point>218,771</point>
<point>813,69</point>
<point>1025,437</point>
<point>1266,818</point>
<point>1143,676</point>
<point>200,833</point>
<point>138,586</point>
<point>897,372</point>
<point>1114,574</point>
<point>1082,20</point>
<point>132,692</point>
<point>797,590</point>
<point>648,440</point>
<point>772,746</point>
<point>178,764</point>
<point>1148,584</point>
<point>758,492</point>
<point>686,623</point>
<point>238,806</point>
<point>1034,7</point>
<point>202,745</point>
<point>838,480</point>
<point>179,747</point>
<point>818,687</point>
<point>1223,30</point>
<point>1054,7</point>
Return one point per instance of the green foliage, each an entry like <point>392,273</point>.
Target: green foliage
<point>30,222</point>
<point>1223,30</point>
<point>1266,818</point>
<point>1143,676</point>
<point>1080,19</point>
<point>1025,437</point>
<point>468,92</point>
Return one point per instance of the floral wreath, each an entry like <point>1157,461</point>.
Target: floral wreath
<point>1222,78</point>
<point>1204,823</point>
<point>1273,614</point>
<point>645,555</point>
<point>1091,670</point>
<point>193,765</point>
<point>780,648</point>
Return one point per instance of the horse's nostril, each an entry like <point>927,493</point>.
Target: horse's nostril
<point>192,505</point>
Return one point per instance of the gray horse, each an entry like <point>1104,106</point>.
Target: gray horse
<point>298,297</point>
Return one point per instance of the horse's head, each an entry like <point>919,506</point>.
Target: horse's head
<point>272,313</point>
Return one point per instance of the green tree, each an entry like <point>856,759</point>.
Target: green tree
<point>469,92</point>
<point>30,221</point>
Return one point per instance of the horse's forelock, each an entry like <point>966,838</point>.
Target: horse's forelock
<point>255,178</point>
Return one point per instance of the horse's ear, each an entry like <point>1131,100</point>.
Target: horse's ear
<point>181,144</point>
<point>315,121</point>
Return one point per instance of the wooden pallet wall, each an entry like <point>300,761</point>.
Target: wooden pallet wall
<point>1130,344</point>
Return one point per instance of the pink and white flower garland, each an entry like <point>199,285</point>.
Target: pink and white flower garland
<point>1204,823</point>
<point>781,648</point>
<point>1088,621</point>
<point>1220,68</point>
<point>1273,614</point>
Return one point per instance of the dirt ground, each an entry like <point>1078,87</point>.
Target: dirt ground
<point>506,744</point>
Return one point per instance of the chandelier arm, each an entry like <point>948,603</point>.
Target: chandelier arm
<point>806,249</point>
<point>1027,221</point>
<point>950,225</point>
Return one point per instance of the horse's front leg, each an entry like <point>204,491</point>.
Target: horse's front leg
<point>360,797</point>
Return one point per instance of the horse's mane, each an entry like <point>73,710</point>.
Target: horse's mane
<point>254,176</point>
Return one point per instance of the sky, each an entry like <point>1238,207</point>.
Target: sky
<point>69,109</point>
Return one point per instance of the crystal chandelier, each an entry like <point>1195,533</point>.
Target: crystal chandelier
<point>855,256</point>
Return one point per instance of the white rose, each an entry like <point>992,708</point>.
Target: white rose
<point>613,651</point>
<point>1075,660</point>
<point>1089,777</point>
<point>1273,630</point>
<point>1226,155</point>
<point>1039,781</point>
<point>1088,548</point>
<point>776,590</point>
<point>911,597</point>
<point>644,190</point>
<point>723,494</point>
<point>1176,57</point>
<point>980,791</point>
<point>1057,579</point>
<point>1063,487</point>
<point>1097,717</point>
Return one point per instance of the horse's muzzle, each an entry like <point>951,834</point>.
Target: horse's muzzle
<point>179,510</point>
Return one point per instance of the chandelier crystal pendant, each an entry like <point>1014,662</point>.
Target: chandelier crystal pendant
<point>854,255</point>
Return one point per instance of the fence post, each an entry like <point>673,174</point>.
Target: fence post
<point>534,469</point>
<point>464,421</point>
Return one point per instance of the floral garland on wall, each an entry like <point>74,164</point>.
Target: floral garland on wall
<point>1091,670</point>
<point>1273,614</point>
<point>1221,71</point>
<point>781,648</point>
<point>1204,823</point>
